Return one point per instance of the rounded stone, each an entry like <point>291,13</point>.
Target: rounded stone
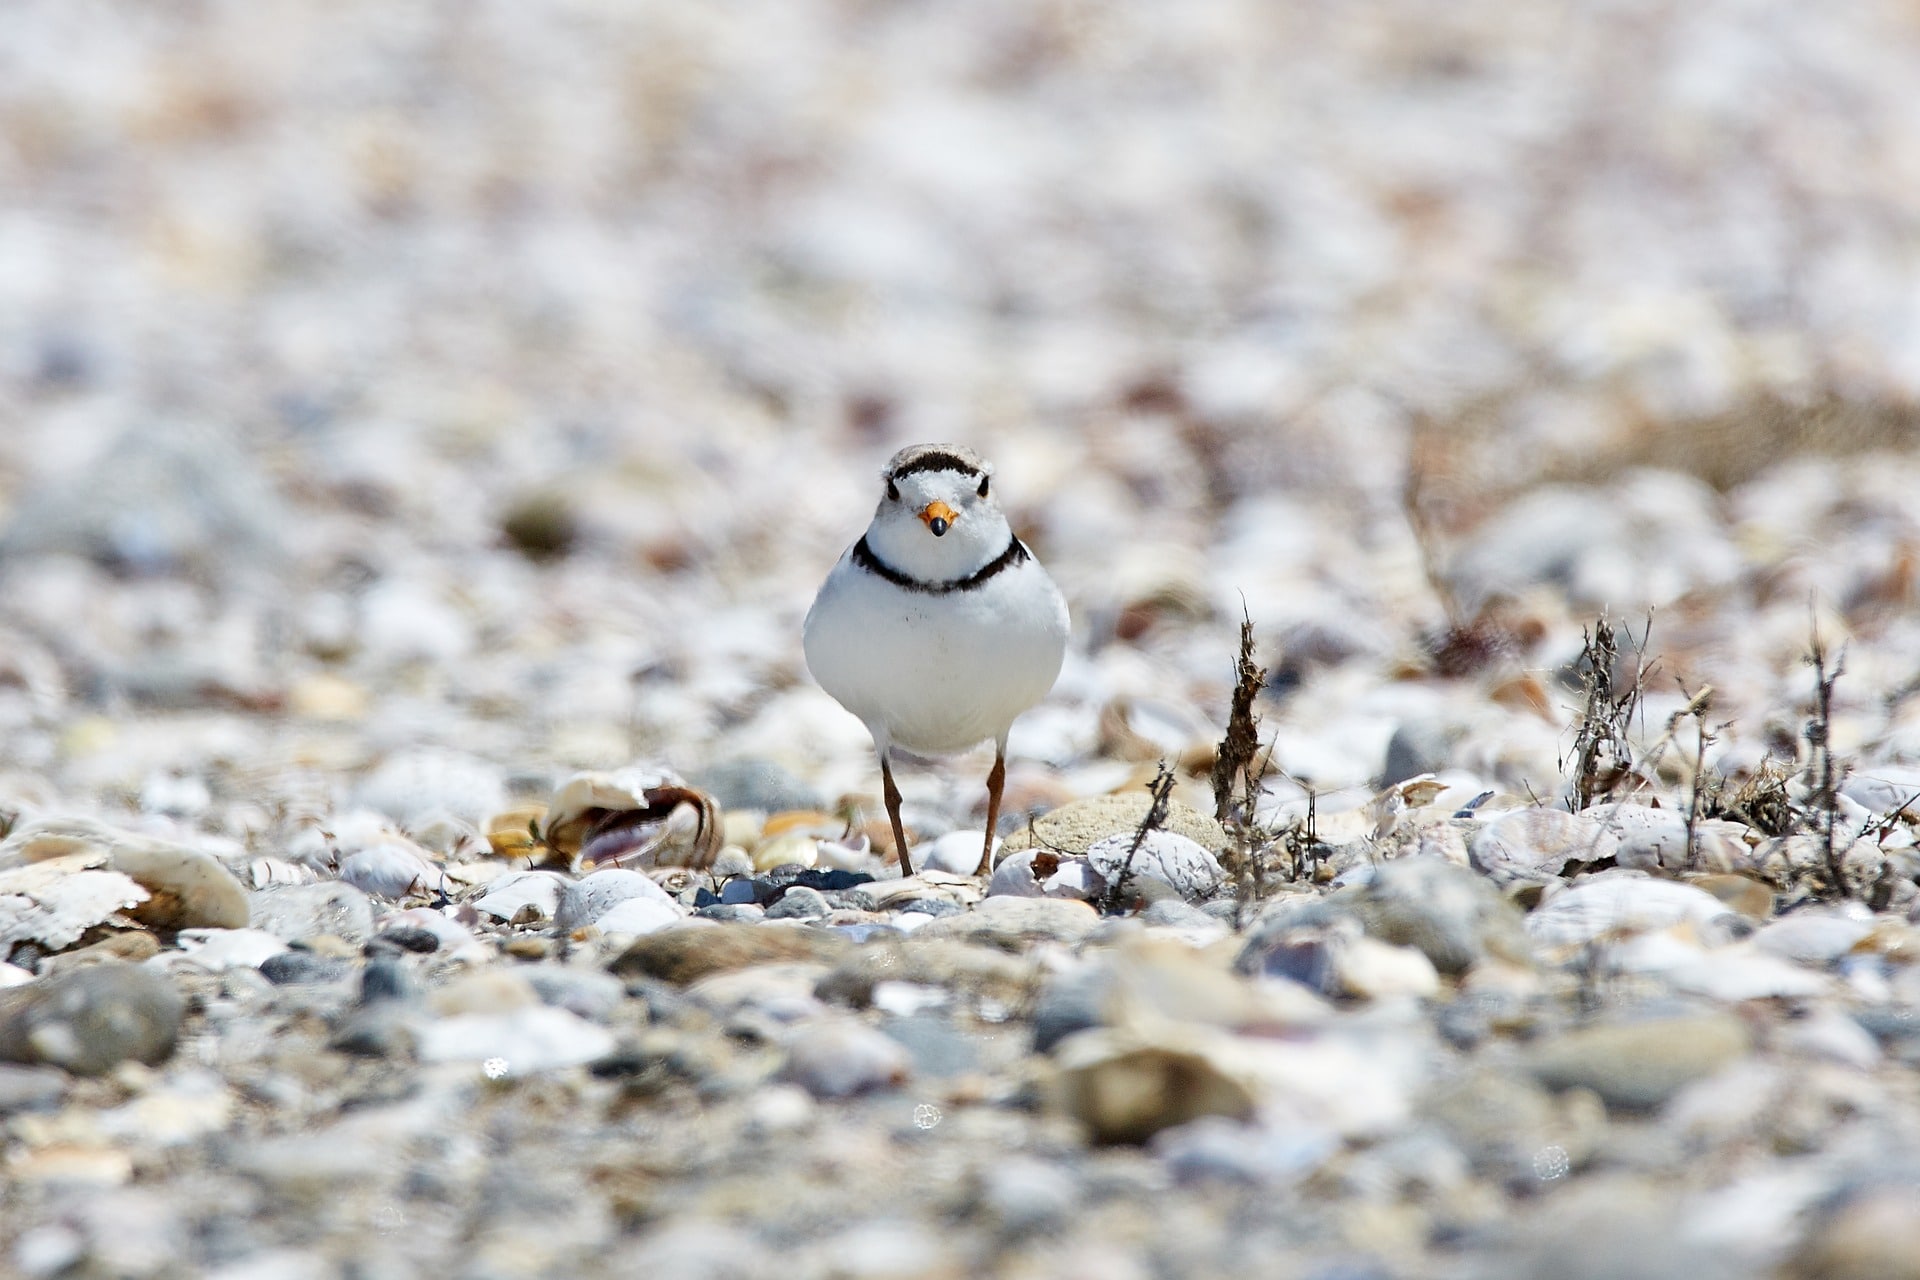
<point>1074,828</point>
<point>91,1019</point>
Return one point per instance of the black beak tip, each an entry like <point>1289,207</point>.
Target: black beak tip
<point>938,526</point>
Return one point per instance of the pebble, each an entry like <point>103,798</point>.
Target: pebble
<point>516,1042</point>
<point>92,1019</point>
<point>1530,844</point>
<point>1638,1065</point>
<point>1017,922</point>
<point>637,916</point>
<point>1167,856</point>
<point>585,901</point>
<point>842,1058</point>
<point>295,912</point>
<point>683,956</point>
<point>1618,906</point>
<point>588,993</point>
<point>294,968</point>
<point>1125,1091</point>
<point>526,897</point>
<point>800,903</point>
<point>1075,828</point>
<point>1455,918</point>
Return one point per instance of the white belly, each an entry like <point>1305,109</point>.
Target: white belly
<point>937,674</point>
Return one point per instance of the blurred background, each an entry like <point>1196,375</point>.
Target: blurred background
<point>502,379</point>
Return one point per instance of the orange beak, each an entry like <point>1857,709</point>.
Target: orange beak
<point>939,517</point>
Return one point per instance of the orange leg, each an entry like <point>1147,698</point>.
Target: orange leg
<point>996,781</point>
<point>892,795</point>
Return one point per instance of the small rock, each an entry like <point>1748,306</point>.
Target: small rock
<point>800,903</point>
<point>393,868</point>
<point>1868,1232</point>
<point>1216,1148</point>
<point>385,979</point>
<point>1074,828</point>
<point>956,853</point>
<point>92,1019</point>
<point>517,1042</point>
<point>409,938</point>
<point>588,993</point>
<point>296,912</point>
<point>1124,1090</point>
<point>1539,843</point>
<point>293,968</point>
<point>638,916</point>
<point>682,956</point>
<point>24,1088</point>
<point>1639,1065</point>
<point>1456,918</point>
<point>1166,856</point>
<point>842,1058</point>
<point>522,896</point>
<point>1025,1195</point>
<point>1015,922</point>
<point>584,901</point>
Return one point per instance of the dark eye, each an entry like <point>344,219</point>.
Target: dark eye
<point>893,491</point>
<point>983,485</point>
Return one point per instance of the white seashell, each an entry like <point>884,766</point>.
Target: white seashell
<point>55,901</point>
<point>393,868</point>
<point>266,871</point>
<point>222,949</point>
<point>507,897</point>
<point>853,853</point>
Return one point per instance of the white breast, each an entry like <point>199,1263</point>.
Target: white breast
<point>937,673</point>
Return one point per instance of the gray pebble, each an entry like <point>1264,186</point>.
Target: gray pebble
<point>299,967</point>
<point>90,1019</point>
<point>738,912</point>
<point>29,1088</point>
<point>590,993</point>
<point>800,903</point>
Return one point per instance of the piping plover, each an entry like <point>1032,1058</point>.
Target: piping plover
<point>938,627</point>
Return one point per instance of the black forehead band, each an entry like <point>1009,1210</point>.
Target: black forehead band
<point>933,462</point>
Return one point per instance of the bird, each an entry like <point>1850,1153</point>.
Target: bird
<point>938,627</point>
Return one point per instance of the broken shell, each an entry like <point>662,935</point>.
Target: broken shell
<point>54,901</point>
<point>639,816</point>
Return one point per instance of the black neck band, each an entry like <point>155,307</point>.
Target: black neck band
<point>864,557</point>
